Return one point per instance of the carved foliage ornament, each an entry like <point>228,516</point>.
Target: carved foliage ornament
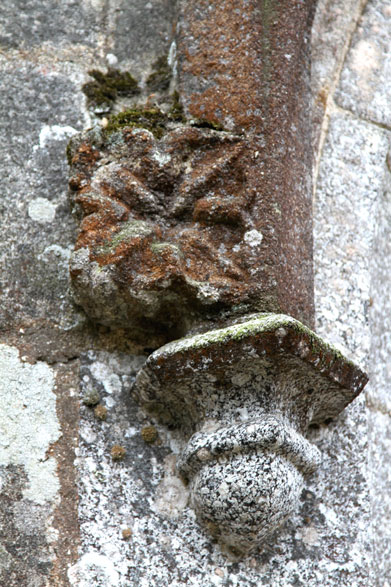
<point>166,238</point>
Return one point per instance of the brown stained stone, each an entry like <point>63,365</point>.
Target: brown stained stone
<point>182,224</point>
<point>167,227</point>
<point>65,518</point>
<point>245,64</point>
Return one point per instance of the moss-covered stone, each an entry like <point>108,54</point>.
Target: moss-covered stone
<point>176,113</point>
<point>106,87</point>
<point>155,120</point>
<point>118,452</point>
<point>100,412</point>
<point>91,398</point>
<point>149,434</point>
<point>152,119</point>
<point>126,533</point>
<point>159,80</point>
<point>132,229</point>
<point>202,123</point>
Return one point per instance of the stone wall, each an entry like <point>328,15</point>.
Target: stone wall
<point>70,513</point>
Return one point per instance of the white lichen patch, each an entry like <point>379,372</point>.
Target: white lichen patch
<point>97,568</point>
<point>55,132</point>
<point>60,254</point>
<point>29,423</point>
<point>253,238</point>
<point>160,157</point>
<point>110,381</point>
<point>42,210</point>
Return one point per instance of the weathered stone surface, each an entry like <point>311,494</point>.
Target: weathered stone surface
<point>350,184</point>
<point>364,87</point>
<point>339,536</point>
<point>180,379</point>
<point>29,483</point>
<point>251,73</point>
<point>351,179</point>
<point>27,24</point>
<point>40,111</point>
<point>181,225</point>
<point>24,550</point>
<point>166,239</point>
<point>332,31</point>
<point>379,401</point>
<point>141,32</point>
<point>242,397</point>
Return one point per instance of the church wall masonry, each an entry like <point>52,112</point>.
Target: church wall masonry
<point>89,491</point>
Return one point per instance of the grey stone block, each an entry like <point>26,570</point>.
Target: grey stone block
<point>26,24</point>
<point>40,110</point>
<point>365,84</point>
<point>350,183</point>
<point>142,32</point>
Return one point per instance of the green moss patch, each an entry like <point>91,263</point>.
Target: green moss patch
<point>155,120</point>
<point>130,230</point>
<point>152,119</point>
<point>106,87</point>
<point>159,80</point>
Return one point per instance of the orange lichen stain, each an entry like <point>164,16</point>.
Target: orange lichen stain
<point>118,452</point>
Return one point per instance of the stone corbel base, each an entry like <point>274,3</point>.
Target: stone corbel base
<point>244,397</point>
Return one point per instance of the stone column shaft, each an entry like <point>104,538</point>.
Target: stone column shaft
<point>246,65</point>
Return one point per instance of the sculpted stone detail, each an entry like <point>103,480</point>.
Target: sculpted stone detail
<point>187,230</point>
<point>167,244</point>
<point>166,237</point>
<point>244,397</point>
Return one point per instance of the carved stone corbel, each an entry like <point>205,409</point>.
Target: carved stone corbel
<point>198,224</point>
<point>243,397</point>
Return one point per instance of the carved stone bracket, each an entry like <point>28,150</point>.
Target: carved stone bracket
<point>195,215</point>
<point>244,397</point>
<point>166,237</point>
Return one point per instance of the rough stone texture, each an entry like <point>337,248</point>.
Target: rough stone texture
<point>353,164</point>
<point>333,27</point>
<point>345,226</point>
<point>47,49</point>
<point>365,87</point>
<point>141,32</point>
<point>379,400</point>
<point>29,484</point>
<point>34,263</point>
<point>341,533</point>
<point>29,24</point>
<point>166,239</point>
<point>190,381</point>
<point>241,397</point>
<point>181,224</point>
<point>250,72</point>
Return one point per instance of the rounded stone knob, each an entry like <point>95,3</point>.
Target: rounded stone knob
<point>246,478</point>
<point>243,397</point>
<point>243,499</point>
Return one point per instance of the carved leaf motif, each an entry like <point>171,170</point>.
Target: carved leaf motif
<point>164,217</point>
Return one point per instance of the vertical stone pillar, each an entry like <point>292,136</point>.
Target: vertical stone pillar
<point>245,65</point>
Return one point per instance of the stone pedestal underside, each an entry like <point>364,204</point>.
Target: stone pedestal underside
<point>243,397</point>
